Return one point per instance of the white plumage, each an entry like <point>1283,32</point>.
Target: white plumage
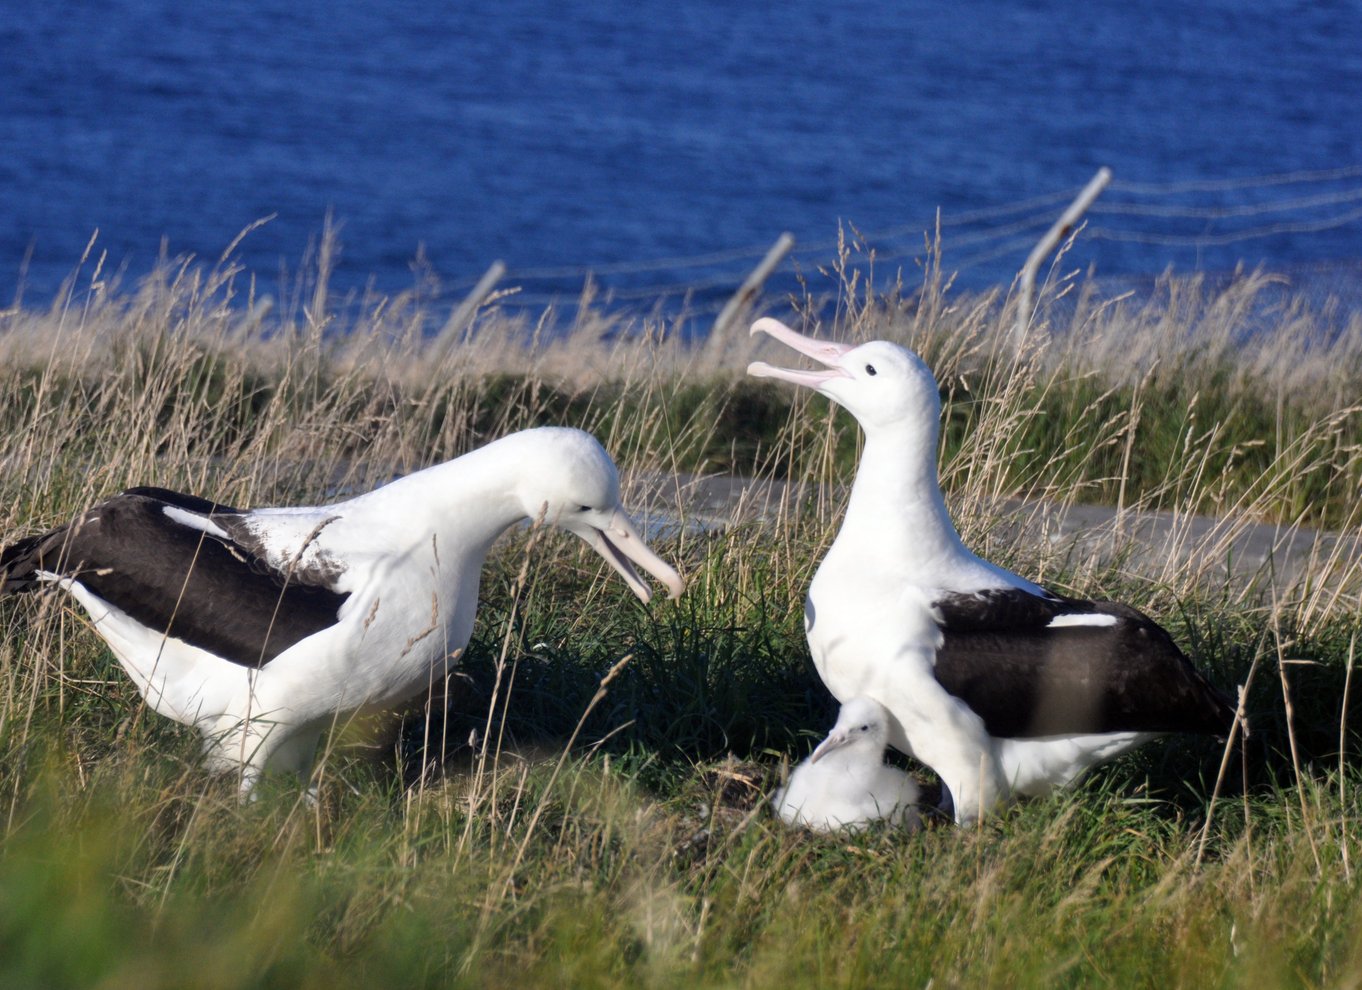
<point>262,627</point>
<point>845,783</point>
<point>998,685</point>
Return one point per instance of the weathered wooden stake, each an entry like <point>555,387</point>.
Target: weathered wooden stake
<point>463,313</point>
<point>747,292</point>
<point>1027,287</point>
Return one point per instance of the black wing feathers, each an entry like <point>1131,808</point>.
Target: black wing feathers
<point>172,578</point>
<point>1002,609</point>
<point>18,562</point>
<point>1027,678</point>
<point>192,503</point>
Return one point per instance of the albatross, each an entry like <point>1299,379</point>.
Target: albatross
<point>261,627</point>
<point>1000,686</point>
<point>845,783</point>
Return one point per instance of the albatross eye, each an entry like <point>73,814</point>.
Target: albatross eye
<point>870,369</point>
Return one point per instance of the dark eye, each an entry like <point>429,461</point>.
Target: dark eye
<point>870,369</point>
<point>584,508</point>
<point>865,728</point>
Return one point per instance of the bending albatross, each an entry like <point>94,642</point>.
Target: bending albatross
<point>1000,686</point>
<point>845,783</point>
<point>261,626</point>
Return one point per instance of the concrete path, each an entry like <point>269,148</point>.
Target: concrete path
<point>1249,556</point>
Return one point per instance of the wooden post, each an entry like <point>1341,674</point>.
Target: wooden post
<point>1027,287</point>
<point>463,313</point>
<point>733,309</point>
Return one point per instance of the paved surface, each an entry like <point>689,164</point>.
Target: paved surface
<point>1240,553</point>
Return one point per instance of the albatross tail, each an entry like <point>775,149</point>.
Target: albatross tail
<point>21,561</point>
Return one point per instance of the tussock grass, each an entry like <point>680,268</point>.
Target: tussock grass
<point>467,843</point>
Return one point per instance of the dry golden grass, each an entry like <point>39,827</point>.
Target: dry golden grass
<point>643,854</point>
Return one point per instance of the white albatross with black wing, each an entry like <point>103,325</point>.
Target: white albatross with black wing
<point>262,627</point>
<point>845,783</point>
<point>998,685</point>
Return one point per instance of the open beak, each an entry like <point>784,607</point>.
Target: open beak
<point>836,740</point>
<point>825,352</point>
<point>622,548</point>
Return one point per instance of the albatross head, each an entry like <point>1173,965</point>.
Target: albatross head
<point>862,728</point>
<point>573,483</point>
<point>880,383</point>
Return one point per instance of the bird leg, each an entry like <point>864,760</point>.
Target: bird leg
<point>940,731</point>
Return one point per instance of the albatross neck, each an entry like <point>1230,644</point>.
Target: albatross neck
<point>470,500</point>
<point>896,500</point>
<point>854,764</point>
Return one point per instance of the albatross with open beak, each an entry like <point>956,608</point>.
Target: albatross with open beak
<point>261,627</point>
<point>997,684</point>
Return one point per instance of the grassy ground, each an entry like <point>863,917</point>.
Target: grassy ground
<point>467,844</point>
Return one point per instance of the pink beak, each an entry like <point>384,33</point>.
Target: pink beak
<point>836,740</point>
<point>622,547</point>
<point>825,352</point>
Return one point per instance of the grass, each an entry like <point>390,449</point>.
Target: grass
<point>466,843</point>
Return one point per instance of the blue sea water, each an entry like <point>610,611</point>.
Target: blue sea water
<point>565,136</point>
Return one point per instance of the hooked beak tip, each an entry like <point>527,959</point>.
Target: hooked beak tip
<point>675,586</point>
<point>674,583</point>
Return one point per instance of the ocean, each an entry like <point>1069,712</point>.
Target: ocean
<point>662,146</point>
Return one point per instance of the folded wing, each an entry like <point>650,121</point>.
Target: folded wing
<point>185,567</point>
<point>1036,666</point>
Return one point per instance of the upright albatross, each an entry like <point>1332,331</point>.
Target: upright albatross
<point>261,626</point>
<point>1000,686</point>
